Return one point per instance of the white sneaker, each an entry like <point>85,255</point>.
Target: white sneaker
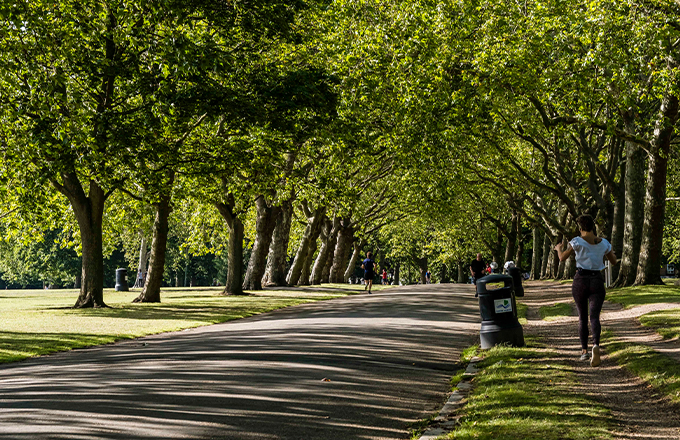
<point>595,360</point>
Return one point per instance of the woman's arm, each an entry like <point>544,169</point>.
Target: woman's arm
<point>563,255</point>
<point>611,256</point>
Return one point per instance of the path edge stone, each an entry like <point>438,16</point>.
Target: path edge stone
<point>447,418</point>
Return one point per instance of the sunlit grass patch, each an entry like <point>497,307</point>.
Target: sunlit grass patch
<point>469,353</point>
<point>657,369</point>
<point>39,322</point>
<point>520,394</point>
<point>522,313</point>
<point>639,295</point>
<point>665,322</point>
<point>555,311</point>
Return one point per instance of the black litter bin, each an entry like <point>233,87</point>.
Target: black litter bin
<point>516,275</point>
<point>121,280</point>
<point>499,312</point>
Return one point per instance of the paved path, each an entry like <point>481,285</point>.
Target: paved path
<point>388,358</point>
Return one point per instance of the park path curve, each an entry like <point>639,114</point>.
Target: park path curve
<point>386,359</point>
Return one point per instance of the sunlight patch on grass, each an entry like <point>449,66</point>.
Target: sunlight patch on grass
<point>555,311</point>
<point>665,322</point>
<point>639,295</point>
<point>522,313</point>
<point>657,369</point>
<point>520,395</point>
<point>38,322</point>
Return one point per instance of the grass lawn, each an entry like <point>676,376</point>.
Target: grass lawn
<point>657,369</point>
<point>520,395</point>
<point>550,313</point>
<point>522,313</point>
<point>37,322</point>
<point>665,322</point>
<point>639,295</point>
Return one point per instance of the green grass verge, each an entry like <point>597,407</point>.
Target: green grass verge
<point>639,295</point>
<point>665,322</point>
<point>555,311</point>
<point>520,395</point>
<point>522,313</point>
<point>38,322</point>
<point>657,369</point>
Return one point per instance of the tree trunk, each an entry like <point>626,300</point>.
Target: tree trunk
<point>142,261</point>
<point>341,254</point>
<point>537,255</point>
<point>569,267</point>
<point>649,265</point>
<point>461,272</point>
<point>545,260</point>
<point>634,213</point>
<point>275,274</point>
<point>89,212</point>
<point>422,266</point>
<point>358,245</point>
<point>496,252</point>
<point>618,224</point>
<point>264,228</point>
<point>315,221</point>
<point>332,244</point>
<point>444,275</point>
<point>511,246</point>
<point>306,275</point>
<point>327,232</point>
<point>234,285</point>
<point>154,279</point>
<point>396,280</point>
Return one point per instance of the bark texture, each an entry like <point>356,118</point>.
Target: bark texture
<point>537,257</point>
<point>618,224</point>
<point>314,223</point>
<point>356,254</point>
<point>141,267</point>
<point>154,279</point>
<point>328,230</point>
<point>649,265</point>
<point>264,228</point>
<point>332,243</point>
<point>234,285</point>
<point>546,256</point>
<point>511,245</point>
<point>275,272</point>
<point>89,213</point>
<point>342,249</point>
<point>634,214</point>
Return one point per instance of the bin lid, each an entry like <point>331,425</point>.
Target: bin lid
<point>493,278</point>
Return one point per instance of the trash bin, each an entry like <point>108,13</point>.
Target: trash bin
<point>516,274</point>
<point>499,312</point>
<point>121,280</point>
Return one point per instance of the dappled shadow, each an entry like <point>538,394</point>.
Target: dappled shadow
<point>360,367</point>
<point>630,399</point>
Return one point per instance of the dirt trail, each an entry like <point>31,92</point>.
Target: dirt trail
<point>638,411</point>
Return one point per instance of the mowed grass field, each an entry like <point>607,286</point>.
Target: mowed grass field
<point>37,322</point>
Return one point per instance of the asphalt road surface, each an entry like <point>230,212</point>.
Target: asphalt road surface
<point>360,367</point>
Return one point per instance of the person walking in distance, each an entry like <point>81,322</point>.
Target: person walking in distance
<point>477,268</point>
<point>384,277</point>
<point>588,286</point>
<point>368,265</point>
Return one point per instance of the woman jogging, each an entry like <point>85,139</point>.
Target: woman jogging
<point>588,286</point>
<point>368,265</point>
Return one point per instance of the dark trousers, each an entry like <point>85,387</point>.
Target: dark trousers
<point>588,292</point>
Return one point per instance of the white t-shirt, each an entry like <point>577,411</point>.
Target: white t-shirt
<point>590,256</point>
